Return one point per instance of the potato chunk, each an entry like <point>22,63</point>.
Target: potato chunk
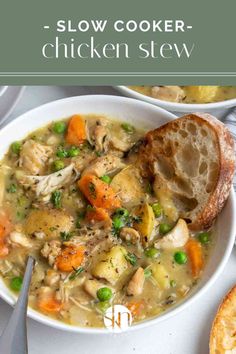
<point>127,185</point>
<point>146,224</point>
<point>49,221</point>
<point>161,275</point>
<point>112,266</point>
<point>202,94</point>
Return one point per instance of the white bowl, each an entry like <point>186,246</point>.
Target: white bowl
<point>140,114</point>
<point>217,108</point>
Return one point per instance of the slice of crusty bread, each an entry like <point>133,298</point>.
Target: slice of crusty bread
<point>223,332</point>
<point>192,160</point>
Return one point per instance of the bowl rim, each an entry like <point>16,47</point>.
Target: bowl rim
<point>39,317</point>
<point>176,106</point>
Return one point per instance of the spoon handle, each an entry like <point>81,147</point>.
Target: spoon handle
<point>14,337</point>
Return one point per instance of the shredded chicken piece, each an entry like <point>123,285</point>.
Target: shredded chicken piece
<point>100,137</point>
<point>97,133</point>
<point>77,303</point>
<point>34,156</point>
<point>177,237</point>
<point>52,278</point>
<point>45,185</point>
<point>19,239</point>
<point>51,250</point>
<point>104,165</point>
<point>120,144</point>
<point>135,286</point>
<point>129,234</point>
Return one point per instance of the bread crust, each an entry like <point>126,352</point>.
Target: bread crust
<point>225,147</point>
<point>224,325</point>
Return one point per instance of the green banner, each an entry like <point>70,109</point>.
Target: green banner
<point>117,42</point>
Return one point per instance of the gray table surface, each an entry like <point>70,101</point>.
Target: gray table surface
<point>186,333</point>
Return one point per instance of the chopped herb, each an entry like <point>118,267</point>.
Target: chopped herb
<point>20,215</point>
<point>76,272</point>
<point>12,188</point>
<point>16,147</point>
<point>131,258</point>
<point>66,236</point>
<point>22,201</point>
<point>81,216</point>
<point>137,219</point>
<point>106,179</point>
<point>147,273</point>
<point>149,188</point>
<point>128,128</point>
<point>92,190</point>
<point>56,199</point>
<point>173,283</point>
<point>98,153</point>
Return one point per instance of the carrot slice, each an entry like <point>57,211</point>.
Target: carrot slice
<point>194,251</point>
<point>5,229</point>
<point>49,304</point>
<point>70,258</point>
<point>135,307</point>
<point>76,132</point>
<point>99,193</point>
<point>97,214</point>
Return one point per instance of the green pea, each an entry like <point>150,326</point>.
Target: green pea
<point>59,127</point>
<point>106,179</point>
<point>173,283</point>
<point>122,212</point>
<point>16,283</point>
<point>73,151</point>
<point>157,209</point>
<point>16,147</point>
<point>104,294</point>
<point>61,152</point>
<point>58,165</point>
<point>118,222</point>
<point>103,306</point>
<point>204,237</point>
<point>128,128</point>
<point>151,252</point>
<point>12,188</point>
<point>164,228</point>
<point>180,257</point>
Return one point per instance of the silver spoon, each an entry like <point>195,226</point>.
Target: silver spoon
<point>14,337</point>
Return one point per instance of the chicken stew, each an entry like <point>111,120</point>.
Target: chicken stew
<point>73,197</point>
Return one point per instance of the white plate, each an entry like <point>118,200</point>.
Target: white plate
<point>143,115</point>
